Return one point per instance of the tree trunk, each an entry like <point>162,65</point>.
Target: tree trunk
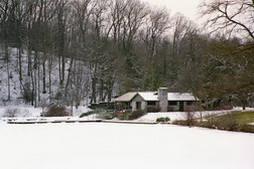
<point>68,77</point>
<point>35,78</point>
<point>49,74</point>
<point>44,77</point>
<point>20,68</point>
<point>102,91</point>
<point>59,70</point>
<point>44,74</point>
<point>30,73</point>
<point>244,104</point>
<point>38,78</point>
<point>7,59</point>
<point>93,97</point>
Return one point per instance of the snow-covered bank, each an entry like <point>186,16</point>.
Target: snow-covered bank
<point>30,111</point>
<point>114,146</point>
<point>33,115</point>
<point>151,117</point>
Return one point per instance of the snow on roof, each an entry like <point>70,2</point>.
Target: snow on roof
<point>181,97</point>
<point>149,96</point>
<point>153,96</point>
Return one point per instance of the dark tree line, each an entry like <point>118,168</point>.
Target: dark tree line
<point>70,50</point>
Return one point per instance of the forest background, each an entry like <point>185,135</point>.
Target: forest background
<point>76,51</point>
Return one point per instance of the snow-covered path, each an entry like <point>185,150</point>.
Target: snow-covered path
<point>122,146</point>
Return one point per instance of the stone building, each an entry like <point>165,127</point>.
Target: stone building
<point>161,99</point>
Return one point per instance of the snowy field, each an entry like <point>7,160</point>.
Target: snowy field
<point>122,146</point>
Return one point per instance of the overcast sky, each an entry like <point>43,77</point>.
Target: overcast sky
<point>187,7</point>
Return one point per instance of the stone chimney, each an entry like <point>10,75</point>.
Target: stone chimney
<point>163,98</point>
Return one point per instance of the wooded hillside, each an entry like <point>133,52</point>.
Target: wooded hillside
<point>74,50</point>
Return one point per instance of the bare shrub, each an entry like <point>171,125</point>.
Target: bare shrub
<point>189,116</point>
<point>246,128</point>
<point>153,109</point>
<point>55,111</point>
<point>11,112</point>
<point>225,121</point>
<point>211,120</point>
<point>136,114</point>
<point>224,105</point>
<point>228,122</point>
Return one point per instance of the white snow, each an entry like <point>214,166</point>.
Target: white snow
<point>27,113</point>
<point>30,111</point>
<point>181,97</point>
<point>153,96</point>
<point>22,111</point>
<point>151,117</point>
<point>149,96</point>
<point>114,146</point>
<point>124,146</point>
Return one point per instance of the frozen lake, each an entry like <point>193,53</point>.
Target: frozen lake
<point>122,146</point>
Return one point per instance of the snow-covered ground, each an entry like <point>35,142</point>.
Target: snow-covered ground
<point>151,117</point>
<point>125,146</point>
<point>28,113</point>
<point>114,146</point>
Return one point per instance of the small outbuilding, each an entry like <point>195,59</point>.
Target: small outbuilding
<point>160,100</point>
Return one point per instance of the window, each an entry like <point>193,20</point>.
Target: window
<point>172,103</point>
<point>138,105</point>
<point>189,103</point>
<point>151,103</point>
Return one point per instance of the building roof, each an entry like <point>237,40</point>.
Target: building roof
<point>149,96</point>
<point>126,97</point>
<point>181,97</point>
<point>153,96</point>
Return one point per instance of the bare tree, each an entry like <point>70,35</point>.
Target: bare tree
<point>5,18</point>
<point>135,15</point>
<point>230,19</point>
<point>156,26</point>
<point>232,16</point>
